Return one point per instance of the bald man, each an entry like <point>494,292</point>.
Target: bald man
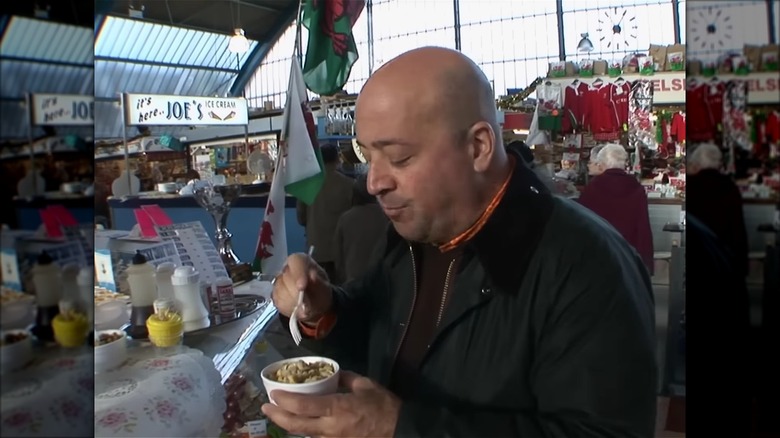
<point>493,308</point>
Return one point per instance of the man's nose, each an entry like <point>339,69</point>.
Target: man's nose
<point>379,180</point>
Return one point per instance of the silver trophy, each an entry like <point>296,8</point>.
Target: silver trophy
<point>217,200</point>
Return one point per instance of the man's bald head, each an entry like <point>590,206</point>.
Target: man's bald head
<point>440,85</point>
<point>426,122</point>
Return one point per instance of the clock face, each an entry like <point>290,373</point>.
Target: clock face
<point>617,29</point>
<point>710,28</point>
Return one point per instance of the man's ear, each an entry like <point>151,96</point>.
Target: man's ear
<point>482,142</point>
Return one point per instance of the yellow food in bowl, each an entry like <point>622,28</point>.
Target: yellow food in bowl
<point>302,372</point>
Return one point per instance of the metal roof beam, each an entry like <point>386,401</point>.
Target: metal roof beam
<point>257,56</point>
<point>165,64</point>
<point>46,61</point>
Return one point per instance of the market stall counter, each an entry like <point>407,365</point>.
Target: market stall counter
<point>244,221</point>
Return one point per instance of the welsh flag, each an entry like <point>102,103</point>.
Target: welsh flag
<point>331,50</point>
<point>299,172</point>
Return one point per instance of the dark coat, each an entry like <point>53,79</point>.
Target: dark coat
<point>621,200</point>
<point>717,202</point>
<point>549,331</point>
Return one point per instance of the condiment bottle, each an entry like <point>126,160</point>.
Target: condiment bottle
<point>47,278</point>
<point>226,304</point>
<point>164,286</point>
<point>86,283</point>
<point>143,292</point>
<point>70,288</point>
<point>186,289</point>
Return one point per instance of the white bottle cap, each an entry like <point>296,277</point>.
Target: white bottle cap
<point>166,267</point>
<point>86,276</point>
<point>70,270</point>
<point>184,275</point>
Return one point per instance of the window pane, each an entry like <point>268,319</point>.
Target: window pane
<point>401,25</point>
<point>359,72</point>
<point>270,81</point>
<point>716,27</point>
<point>681,8</point>
<point>776,15</point>
<point>513,42</point>
<point>616,30</point>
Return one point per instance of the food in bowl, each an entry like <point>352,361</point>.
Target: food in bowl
<point>8,296</point>
<point>302,372</point>
<point>325,381</point>
<point>107,338</point>
<point>103,295</point>
<point>12,338</point>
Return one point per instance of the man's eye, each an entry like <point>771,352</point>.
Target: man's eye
<point>401,162</point>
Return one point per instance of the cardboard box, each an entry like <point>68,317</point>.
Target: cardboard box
<point>599,67</point>
<point>753,55</point>
<point>770,57</point>
<point>675,58</point>
<point>19,250</point>
<point>659,56</point>
<point>694,68</point>
<point>114,252</point>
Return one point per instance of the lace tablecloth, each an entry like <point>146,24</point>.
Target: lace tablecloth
<point>50,397</point>
<point>154,395</point>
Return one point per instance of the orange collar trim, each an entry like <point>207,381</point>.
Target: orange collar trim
<point>480,223</point>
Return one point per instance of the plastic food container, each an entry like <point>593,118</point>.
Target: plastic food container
<point>165,331</point>
<point>15,355</point>
<point>70,332</point>
<point>111,355</point>
<point>329,385</point>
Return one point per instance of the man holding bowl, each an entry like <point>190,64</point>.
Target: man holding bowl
<point>493,308</point>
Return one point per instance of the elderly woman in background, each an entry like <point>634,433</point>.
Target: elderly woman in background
<point>594,169</point>
<point>619,199</point>
<point>716,200</point>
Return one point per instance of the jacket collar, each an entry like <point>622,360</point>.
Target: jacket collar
<point>509,238</point>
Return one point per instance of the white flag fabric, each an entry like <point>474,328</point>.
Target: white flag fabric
<point>302,160</point>
<point>271,253</point>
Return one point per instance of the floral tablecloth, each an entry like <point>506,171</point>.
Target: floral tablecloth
<point>50,397</point>
<point>156,395</point>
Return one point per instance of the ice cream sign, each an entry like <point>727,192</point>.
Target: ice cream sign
<point>160,110</point>
<point>63,109</point>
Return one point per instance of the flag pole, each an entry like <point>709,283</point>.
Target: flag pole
<point>298,49</point>
<point>297,53</point>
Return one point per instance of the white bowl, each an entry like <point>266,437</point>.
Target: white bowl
<point>111,355</point>
<point>17,355</point>
<point>329,385</point>
<point>111,315</point>
<point>18,313</point>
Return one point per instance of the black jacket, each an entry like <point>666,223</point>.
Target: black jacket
<point>550,331</point>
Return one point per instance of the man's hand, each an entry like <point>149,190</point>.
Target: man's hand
<point>367,410</point>
<point>302,273</point>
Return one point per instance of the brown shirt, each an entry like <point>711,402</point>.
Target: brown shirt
<point>431,300</point>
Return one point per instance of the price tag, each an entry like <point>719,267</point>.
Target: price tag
<point>257,428</point>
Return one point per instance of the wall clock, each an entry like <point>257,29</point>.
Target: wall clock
<point>710,29</point>
<point>617,28</point>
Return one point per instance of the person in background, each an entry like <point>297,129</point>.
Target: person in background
<point>716,200</point>
<point>594,169</point>
<point>620,199</point>
<point>320,218</point>
<point>494,308</point>
<point>358,232</point>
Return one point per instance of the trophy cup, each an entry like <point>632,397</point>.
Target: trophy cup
<point>217,201</point>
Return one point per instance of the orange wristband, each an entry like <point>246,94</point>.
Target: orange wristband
<point>322,327</point>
